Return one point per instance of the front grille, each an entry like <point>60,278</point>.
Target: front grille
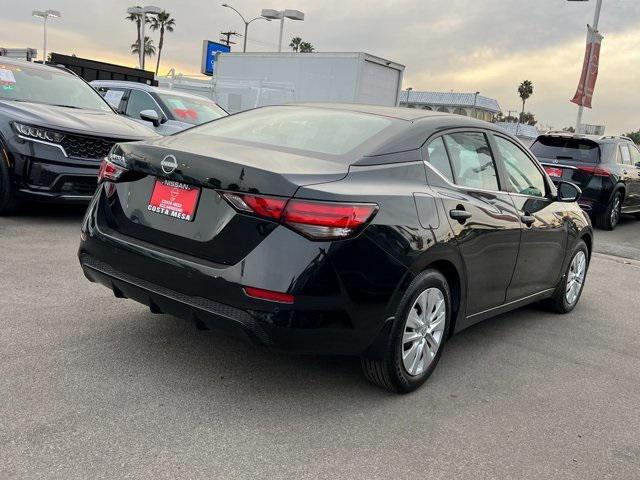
<point>87,147</point>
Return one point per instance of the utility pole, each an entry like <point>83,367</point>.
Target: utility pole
<point>227,40</point>
<point>596,19</point>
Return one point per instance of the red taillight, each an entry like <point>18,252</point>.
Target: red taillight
<point>316,220</point>
<point>269,295</point>
<point>597,171</point>
<point>324,220</point>
<point>269,207</point>
<point>109,171</point>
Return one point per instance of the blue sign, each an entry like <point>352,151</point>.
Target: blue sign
<point>209,50</point>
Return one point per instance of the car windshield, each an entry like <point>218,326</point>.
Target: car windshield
<point>191,110</point>
<point>26,83</point>
<point>316,130</point>
<point>566,148</point>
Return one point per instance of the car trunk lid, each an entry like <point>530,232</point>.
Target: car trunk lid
<point>215,231</point>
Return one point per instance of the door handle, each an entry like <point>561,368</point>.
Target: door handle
<point>460,215</point>
<point>527,219</point>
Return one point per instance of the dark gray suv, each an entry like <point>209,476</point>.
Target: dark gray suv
<point>606,168</point>
<point>54,131</point>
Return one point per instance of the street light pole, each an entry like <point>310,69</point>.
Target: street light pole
<point>142,11</point>
<point>281,15</point>
<point>246,24</point>
<point>45,15</point>
<point>596,20</point>
<point>475,103</point>
<point>409,89</point>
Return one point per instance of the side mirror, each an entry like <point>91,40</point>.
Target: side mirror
<point>568,192</point>
<point>150,116</point>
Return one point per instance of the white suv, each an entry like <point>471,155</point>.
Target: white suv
<point>169,111</point>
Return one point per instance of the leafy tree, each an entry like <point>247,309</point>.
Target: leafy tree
<point>525,90</point>
<point>295,43</point>
<point>149,47</point>
<point>306,47</point>
<point>528,118</point>
<point>635,136</point>
<point>162,22</point>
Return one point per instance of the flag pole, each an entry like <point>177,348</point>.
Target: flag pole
<point>596,19</point>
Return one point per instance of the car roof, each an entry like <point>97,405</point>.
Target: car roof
<point>401,113</point>
<point>412,126</point>
<point>143,87</point>
<point>39,66</point>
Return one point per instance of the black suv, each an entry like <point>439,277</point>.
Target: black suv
<point>606,168</point>
<point>54,131</point>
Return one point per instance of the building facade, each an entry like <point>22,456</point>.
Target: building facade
<point>467,104</point>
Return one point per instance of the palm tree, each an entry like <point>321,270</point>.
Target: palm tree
<point>162,21</point>
<point>295,43</point>
<point>306,47</point>
<point>525,90</point>
<point>149,47</point>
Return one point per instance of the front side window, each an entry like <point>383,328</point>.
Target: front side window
<point>139,101</point>
<point>635,155</point>
<point>51,86</point>
<point>522,175</point>
<point>625,155</point>
<point>439,159</point>
<point>473,165</point>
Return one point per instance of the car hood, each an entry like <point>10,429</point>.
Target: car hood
<point>88,122</point>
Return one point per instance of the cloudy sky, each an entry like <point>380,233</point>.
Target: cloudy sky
<point>461,45</point>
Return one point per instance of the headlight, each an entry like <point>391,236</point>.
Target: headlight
<point>38,133</point>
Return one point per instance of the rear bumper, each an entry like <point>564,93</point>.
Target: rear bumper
<point>331,315</point>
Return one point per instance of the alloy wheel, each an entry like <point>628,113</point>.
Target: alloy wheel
<point>576,275</point>
<point>615,211</point>
<point>423,331</point>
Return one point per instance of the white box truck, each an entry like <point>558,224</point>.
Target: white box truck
<point>305,77</point>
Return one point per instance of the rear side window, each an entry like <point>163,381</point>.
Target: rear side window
<point>439,159</point>
<point>316,130</point>
<point>473,165</point>
<point>522,174</point>
<point>565,148</point>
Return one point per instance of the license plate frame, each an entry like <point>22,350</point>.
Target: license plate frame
<point>174,200</point>
<point>555,172</point>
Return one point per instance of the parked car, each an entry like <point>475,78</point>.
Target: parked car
<point>54,131</point>
<point>338,229</point>
<point>168,111</point>
<point>606,168</point>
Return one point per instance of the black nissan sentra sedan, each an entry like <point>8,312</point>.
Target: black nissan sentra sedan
<point>337,229</point>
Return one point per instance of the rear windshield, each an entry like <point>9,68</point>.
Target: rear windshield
<point>561,148</point>
<point>316,130</point>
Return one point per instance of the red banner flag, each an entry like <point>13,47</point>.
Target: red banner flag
<point>587,84</point>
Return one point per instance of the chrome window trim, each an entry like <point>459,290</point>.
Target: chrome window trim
<point>43,142</point>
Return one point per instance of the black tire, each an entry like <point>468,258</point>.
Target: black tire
<point>558,302</point>
<point>609,219</point>
<point>389,371</point>
<point>8,201</point>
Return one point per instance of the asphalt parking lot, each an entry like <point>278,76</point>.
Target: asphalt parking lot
<point>96,387</point>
